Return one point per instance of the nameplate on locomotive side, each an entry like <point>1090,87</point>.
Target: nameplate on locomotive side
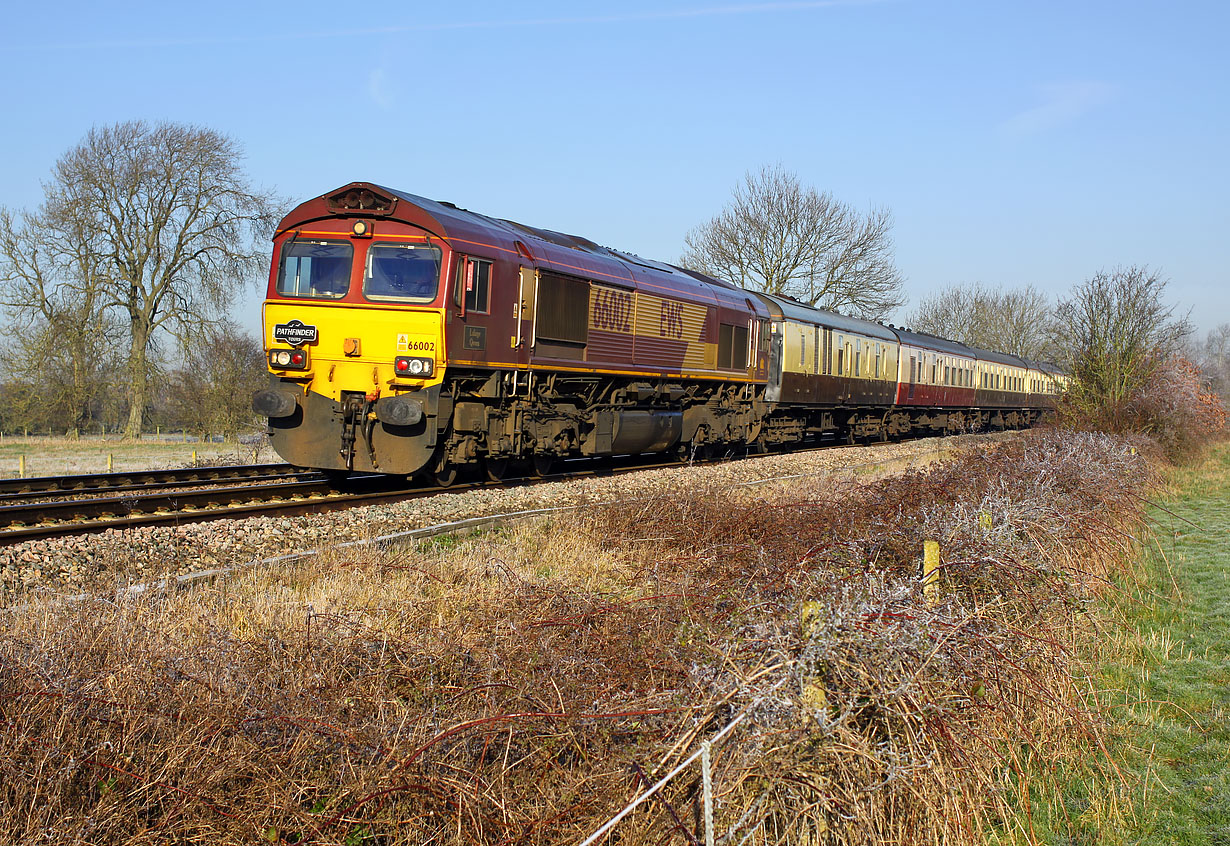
<point>295,333</point>
<point>475,338</point>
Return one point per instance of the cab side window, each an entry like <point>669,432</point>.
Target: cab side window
<point>473,285</point>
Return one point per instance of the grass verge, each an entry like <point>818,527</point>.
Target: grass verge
<point>1165,684</point>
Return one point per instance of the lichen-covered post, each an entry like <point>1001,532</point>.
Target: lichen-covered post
<point>930,571</point>
<point>706,769</point>
<point>21,467</point>
<point>110,461</point>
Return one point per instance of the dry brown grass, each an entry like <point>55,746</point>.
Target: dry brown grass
<point>62,456</point>
<point>504,688</point>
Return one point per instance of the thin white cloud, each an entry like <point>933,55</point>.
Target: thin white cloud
<point>380,88</point>
<point>584,20</point>
<point>1062,103</point>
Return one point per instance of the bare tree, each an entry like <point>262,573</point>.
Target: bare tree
<point>779,237</point>
<point>1213,358</point>
<point>168,226</point>
<point>1117,331</point>
<point>212,393</point>
<point>1015,320</point>
<point>59,336</point>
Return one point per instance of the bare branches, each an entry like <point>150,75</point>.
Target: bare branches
<point>155,223</point>
<point>782,238</point>
<point>211,394</point>
<point>1016,320</point>
<point>1213,358</point>
<point>1117,330</point>
<point>61,335</point>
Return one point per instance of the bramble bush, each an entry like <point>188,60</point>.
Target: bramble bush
<point>1173,407</point>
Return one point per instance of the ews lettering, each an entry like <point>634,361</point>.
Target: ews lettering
<point>671,322</point>
<point>612,310</point>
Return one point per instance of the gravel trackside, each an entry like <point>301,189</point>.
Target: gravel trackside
<point>117,558</point>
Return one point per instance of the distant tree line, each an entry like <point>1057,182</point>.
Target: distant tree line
<point>1133,363</point>
<point>202,386</point>
<point>115,290</point>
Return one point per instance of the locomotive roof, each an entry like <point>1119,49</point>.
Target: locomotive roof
<point>544,248</point>
<point>788,309</point>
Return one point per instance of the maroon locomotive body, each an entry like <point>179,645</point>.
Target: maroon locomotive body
<point>541,344</point>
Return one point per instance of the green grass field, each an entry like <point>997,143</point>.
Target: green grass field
<point>1166,686</point>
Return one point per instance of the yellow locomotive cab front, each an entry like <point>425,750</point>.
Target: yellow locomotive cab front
<point>355,347</point>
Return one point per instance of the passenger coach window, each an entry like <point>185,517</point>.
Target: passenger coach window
<point>315,269</point>
<point>402,272</point>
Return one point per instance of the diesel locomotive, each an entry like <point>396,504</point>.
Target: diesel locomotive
<point>408,336</point>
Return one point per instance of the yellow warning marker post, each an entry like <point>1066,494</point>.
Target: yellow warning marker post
<point>21,467</point>
<point>110,462</point>
<point>930,572</point>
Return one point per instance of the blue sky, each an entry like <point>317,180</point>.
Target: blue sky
<point>1016,143</point>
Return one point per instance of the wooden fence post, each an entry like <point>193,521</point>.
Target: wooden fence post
<point>930,573</point>
<point>706,776</point>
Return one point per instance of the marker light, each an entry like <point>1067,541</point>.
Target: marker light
<point>405,365</point>
<point>288,359</point>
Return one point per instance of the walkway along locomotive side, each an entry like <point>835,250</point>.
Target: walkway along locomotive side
<point>406,336</point>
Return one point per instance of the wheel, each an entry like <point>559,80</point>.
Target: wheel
<point>495,468</point>
<point>442,472</point>
<point>541,465</point>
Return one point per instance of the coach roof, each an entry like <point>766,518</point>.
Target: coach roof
<point>784,308</point>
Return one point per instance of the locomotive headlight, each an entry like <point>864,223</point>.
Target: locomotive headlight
<point>417,368</point>
<point>288,359</point>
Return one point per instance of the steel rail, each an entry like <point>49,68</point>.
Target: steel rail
<point>153,487</point>
<point>117,480</point>
<point>178,500</point>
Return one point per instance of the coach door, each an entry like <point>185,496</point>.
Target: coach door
<point>525,307</point>
<point>913,376</point>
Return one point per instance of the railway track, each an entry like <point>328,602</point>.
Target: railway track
<point>27,515</point>
<point>35,509</point>
<point>11,489</point>
<point>56,507</point>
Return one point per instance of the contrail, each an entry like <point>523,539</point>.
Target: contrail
<point>675,14</point>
